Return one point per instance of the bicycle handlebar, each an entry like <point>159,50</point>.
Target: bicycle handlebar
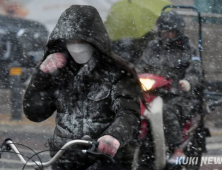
<point>10,145</point>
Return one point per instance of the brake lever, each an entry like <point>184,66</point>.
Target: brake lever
<point>101,156</point>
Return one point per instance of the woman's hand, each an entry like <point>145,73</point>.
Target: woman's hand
<point>53,62</point>
<point>108,145</point>
<point>185,85</point>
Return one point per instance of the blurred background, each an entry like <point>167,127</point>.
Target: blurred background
<point>26,24</point>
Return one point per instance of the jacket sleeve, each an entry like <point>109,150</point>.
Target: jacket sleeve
<point>38,103</point>
<point>194,73</point>
<point>126,106</point>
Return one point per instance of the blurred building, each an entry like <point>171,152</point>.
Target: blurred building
<point>212,34</point>
<point>47,12</point>
<point>210,7</point>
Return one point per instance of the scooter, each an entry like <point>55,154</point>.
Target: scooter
<point>152,137</point>
<point>152,129</point>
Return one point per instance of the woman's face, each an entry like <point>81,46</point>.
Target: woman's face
<point>80,51</point>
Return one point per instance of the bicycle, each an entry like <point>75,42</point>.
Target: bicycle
<point>9,145</point>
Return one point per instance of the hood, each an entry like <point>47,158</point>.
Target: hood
<point>171,21</point>
<point>82,23</point>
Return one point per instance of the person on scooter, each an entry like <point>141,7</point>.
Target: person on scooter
<point>93,90</point>
<point>171,55</point>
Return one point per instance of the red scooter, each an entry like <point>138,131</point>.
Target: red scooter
<point>152,128</point>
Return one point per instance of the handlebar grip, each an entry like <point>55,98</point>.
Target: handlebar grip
<point>93,152</point>
<point>4,146</point>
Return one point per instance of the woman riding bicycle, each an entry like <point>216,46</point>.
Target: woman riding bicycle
<point>93,91</point>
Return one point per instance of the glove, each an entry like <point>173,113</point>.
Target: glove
<point>185,85</point>
<point>108,145</point>
<point>53,62</point>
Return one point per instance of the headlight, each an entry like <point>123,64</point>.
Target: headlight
<point>147,84</point>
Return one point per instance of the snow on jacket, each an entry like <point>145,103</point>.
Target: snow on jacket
<point>96,99</point>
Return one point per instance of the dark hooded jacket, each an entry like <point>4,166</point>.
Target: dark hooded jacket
<point>176,60</point>
<point>96,99</point>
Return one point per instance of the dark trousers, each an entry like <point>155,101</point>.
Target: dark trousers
<point>176,111</point>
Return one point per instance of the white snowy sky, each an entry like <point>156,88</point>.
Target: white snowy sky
<point>48,11</point>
